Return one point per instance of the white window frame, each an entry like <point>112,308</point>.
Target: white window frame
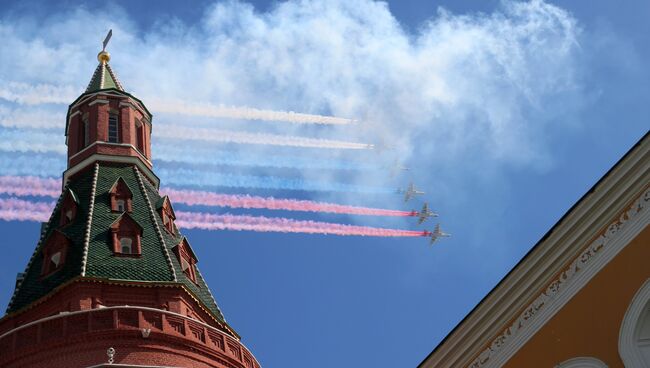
<point>126,242</point>
<point>629,333</point>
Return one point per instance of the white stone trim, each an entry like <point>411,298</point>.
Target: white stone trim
<point>627,343</point>
<point>111,144</point>
<point>582,362</point>
<point>98,101</point>
<point>108,158</point>
<point>152,213</point>
<point>592,259</point>
<point>89,223</point>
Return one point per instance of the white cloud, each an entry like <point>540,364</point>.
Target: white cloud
<point>462,87</point>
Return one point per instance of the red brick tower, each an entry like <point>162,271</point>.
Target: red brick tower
<point>111,269</point>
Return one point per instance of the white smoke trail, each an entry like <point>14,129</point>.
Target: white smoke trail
<point>31,118</point>
<point>27,94</point>
<point>34,94</point>
<point>19,140</point>
<point>242,112</point>
<point>226,136</point>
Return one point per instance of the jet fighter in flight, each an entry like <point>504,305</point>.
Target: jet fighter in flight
<point>424,214</point>
<point>437,234</point>
<point>410,192</point>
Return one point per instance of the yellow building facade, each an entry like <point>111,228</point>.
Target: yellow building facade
<point>580,297</point>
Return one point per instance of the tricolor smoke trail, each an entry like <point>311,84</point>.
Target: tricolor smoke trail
<point>12,209</point>
<point>228,136</point>
<point>34,186</point>
<point>207,221</point>
<point>245,113</point>
<point>46,166</point>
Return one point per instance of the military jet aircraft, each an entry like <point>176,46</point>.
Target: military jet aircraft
<point>437,234</point>
<point>424,214</point>
<point>410,192</point>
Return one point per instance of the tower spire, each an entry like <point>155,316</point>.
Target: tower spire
<point>104,77</point>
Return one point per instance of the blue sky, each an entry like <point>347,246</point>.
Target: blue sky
<point>506,112</point>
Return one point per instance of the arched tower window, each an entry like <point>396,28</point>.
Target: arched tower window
<point>86,133</point>
<point>113,128</point>
<point>139,136</point>
<point>126,234</point>
<point>126,245</point>
<point>634,335</point>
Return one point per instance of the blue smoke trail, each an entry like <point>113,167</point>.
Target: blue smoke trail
<point>182,177</point>
<point>172,153</point>
<point>30,140</point>
<point>53,165</point>
<point>35,164</point>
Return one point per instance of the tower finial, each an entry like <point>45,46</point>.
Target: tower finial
<point>103,55</point>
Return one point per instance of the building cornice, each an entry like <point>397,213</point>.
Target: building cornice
<point>97,157</point>
<point>479,340</point>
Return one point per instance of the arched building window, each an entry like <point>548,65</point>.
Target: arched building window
<point>139,136</point>
<point>113,128</point>
<point>126,245</point>
<point>582,362</point>
<point>634,335</point>
<point>86,133</point>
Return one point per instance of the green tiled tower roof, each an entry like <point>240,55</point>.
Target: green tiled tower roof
<point>103,78</point>
<point>90,231</point>
<point>91,256</point>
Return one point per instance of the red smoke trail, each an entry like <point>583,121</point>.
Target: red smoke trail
<point>17,209</point>
<point>29,185</point>
<point>206,221</point>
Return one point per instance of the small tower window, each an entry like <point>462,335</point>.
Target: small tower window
<point>126,245</point>
<point>167,215</point>
<point>86,133</point>
<point>139,136</point>
<point>126,235</point>
<point>68,208</point>
<point>54,252</point>
<point>186,258</point>
<point>121,196</point>
<point>113,128</point>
